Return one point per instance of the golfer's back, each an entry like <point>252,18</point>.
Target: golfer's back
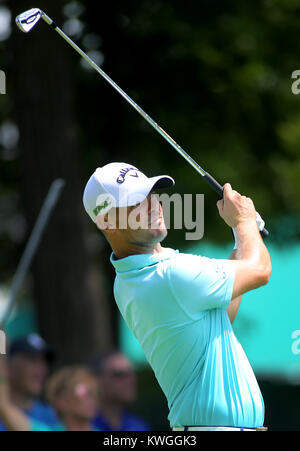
<point>175,304</point>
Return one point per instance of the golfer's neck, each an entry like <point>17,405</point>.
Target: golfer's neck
<point>134,249</point>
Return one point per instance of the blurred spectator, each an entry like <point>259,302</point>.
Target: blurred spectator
<point>27,369</point>
<point>118,389</point>
<point>73,391</point>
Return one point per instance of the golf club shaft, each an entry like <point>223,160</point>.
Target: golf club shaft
<point>208,178</point>
<point>126,97</point>
<point>32,245</point>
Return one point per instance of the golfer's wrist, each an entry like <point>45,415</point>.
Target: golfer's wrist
<point>245,224</point>
<point>244,230</point>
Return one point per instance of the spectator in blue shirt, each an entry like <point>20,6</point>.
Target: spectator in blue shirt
<point>118,389</point>
<point>73,391</point>
<point>28,364</point>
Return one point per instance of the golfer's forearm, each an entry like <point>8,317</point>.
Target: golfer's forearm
<point>251,260</point>
<point>250,247</point>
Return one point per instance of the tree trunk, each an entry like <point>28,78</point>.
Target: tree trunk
<point>71,303</point>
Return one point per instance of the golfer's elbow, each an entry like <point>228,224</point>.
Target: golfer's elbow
<point>263,274</point>
<point>261,264</point>
<point>269,272</point>
<point>266,276</point>
<point>251,273</point>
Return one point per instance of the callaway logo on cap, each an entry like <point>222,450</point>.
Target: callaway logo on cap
<point>119,185</point>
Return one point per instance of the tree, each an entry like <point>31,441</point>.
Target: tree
<point>71,304</point>
<point>216,77</point>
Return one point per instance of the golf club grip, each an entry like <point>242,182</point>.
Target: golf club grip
<point>214,184</point>
<point>219,189</point>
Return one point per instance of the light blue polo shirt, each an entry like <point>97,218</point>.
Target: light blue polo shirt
<point>175,304</point>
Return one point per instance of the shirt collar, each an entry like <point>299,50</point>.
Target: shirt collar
<point>138,261</point>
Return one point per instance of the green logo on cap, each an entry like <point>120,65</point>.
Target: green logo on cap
<point>98,209</point>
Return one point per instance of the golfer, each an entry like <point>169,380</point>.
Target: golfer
<point>181,306</point>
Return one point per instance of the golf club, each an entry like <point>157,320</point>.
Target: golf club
<point>32,245</point>
<point>27,20</point>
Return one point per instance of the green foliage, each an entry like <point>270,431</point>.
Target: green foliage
<point>216,76</point>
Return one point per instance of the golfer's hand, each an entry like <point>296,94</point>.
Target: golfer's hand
<point>235,208</point>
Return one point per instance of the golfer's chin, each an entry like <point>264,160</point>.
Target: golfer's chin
<point>157,233</point>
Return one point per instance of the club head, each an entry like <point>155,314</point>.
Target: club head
<point>27,20</point>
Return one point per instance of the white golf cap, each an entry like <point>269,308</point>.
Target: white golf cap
<point>119,185</point>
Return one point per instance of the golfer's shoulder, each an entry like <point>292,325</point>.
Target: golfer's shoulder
<point>198,275</point>
<point>183,258</point>
<point>183,265</point>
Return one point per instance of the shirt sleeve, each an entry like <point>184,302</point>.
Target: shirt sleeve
<point>201,283</point>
